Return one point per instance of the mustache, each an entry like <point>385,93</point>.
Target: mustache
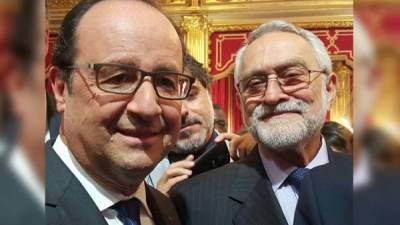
<point>295,105</point>
<point>189,120</point>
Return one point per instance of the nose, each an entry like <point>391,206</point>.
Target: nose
<point>184,110</point>
<point>144,103</point>
<point>274,93</point>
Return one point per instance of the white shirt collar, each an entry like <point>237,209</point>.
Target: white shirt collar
<point>102,198</point>
<point>279,170</point>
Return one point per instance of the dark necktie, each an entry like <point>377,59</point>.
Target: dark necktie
<point>128,211</point>
<point>296,177</point>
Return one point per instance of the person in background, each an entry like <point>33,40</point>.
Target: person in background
<point>338,137</point>
<point>220,119</point>
<point>22,46</point>
<point>196,150</point>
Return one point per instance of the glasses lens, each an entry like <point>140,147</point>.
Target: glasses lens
<point>294,79</point>
<point>171,85</point>
<point>254,86</point>
<point>118,78</point>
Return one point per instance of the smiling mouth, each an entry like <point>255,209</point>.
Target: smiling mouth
<point>188,125</point>
<point>140,134</point>
<point>269,115</point>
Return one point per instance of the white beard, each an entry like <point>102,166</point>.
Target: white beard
<point>287,133</point>
<point>190,144</point>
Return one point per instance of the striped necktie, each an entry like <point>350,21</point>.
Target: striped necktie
<point>296,177</point>
<point>128,211</point>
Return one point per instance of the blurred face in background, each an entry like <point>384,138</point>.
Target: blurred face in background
<point>25,84</point>
<point>197,120</point>
<point>220,120</point>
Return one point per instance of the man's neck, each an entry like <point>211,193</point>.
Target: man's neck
<point>126,188</point>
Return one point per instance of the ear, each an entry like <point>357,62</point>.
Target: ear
<point>331,88</point>
<point>59,88</point>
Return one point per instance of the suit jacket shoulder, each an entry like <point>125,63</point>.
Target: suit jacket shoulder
<point>377,202</point>
<point>67,202</point>
<point>239,193</point>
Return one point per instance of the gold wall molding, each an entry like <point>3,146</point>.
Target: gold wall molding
<point>234,12</point>
<point>342,110</point>
<point>61,4</point>
<point>306,25</point>
<point>196,37</point>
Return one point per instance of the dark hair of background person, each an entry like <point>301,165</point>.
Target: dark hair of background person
<point>197,71</point>
<point>217,107</point>
<point>338,137</point>
<point>65,45</point>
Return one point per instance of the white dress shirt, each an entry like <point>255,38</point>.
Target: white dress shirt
<point>155,175</point>
<point>278,170</point>
<point>103,198</point>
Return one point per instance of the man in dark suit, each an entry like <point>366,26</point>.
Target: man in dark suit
<point>118,79</point>
<point>286,86</point>
<point>196,150</point>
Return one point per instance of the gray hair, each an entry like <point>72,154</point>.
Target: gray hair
<point>321,54</point>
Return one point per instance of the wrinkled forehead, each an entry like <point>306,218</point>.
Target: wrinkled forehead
<point>277,49</point>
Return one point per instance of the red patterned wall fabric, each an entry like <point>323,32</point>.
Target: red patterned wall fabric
<point>222,52</point>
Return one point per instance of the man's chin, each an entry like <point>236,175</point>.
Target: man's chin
<point>187,146</point>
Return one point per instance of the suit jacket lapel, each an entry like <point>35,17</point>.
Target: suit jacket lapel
<point>163,213</point>
<point>252,189</point>
<point>66,194</point>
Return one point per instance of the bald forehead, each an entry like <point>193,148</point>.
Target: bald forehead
<point>277,49</point>
<point>119,15</point>
<point>279,40</point>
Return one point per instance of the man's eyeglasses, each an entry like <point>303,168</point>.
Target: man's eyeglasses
<point>126,79</point>
<point>290,79</point>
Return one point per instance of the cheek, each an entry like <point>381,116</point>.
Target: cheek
<point>247,111</point>
<point>95,113</point>
<point>172,117</point>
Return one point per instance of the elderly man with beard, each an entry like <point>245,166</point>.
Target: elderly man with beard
<point>196,150</point>
<point>286,86</point>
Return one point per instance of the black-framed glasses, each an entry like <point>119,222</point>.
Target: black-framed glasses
<point>126,79</point>
<point>290,79</point>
